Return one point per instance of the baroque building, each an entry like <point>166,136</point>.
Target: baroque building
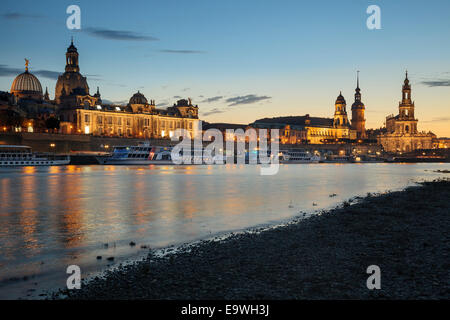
<point>72,88</point>
<point>26,86</point>
<point>80,112</point>
<point>358,110</point>
<point>401,133</point>
<point>312,130</point>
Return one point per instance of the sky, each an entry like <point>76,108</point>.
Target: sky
<point>242,60</point>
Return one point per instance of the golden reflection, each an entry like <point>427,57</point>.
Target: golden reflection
<point>54,169</point>
<point>27,205</point>
<point>64,193</point>
<point>29,170</point>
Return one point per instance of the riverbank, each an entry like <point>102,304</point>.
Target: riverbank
<point>405,233</point>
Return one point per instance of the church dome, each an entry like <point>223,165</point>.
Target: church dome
<point>340,99</point>
<point>138,98</point>
<point>26,83</point>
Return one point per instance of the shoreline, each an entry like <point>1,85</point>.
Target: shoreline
<point>322,257</point>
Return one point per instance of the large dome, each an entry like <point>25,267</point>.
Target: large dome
<point>71,83</point>
<point>26,83</point>
<point>138,98</point>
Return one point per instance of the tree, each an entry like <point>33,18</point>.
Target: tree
<point>52,123</point>
<point>10,118</point>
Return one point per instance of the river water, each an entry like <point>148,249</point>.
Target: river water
<point>53,217</point>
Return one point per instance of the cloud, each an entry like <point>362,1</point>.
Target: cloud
<point>182,51</point>
<point>47,74</point>
<point>176,97</point>
<point>213,111</point>
<point>6,71</point>
<point>212,99</point>
<point>437,83</point>
<point>17,16</point>
<point>120,102</point>
<point>118,35</point>
<point>248,99</point>
<point>96,77</point>
<point>438,119</point>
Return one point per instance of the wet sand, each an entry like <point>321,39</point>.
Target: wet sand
<point>405,233</point>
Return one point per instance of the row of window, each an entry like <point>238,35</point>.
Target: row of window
<point>146,122</point>
<point>24,162</point>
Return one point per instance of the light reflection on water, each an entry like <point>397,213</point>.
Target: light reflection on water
<point>56,216</point>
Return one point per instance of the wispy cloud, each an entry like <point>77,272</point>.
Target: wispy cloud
<point>47,74</point>
<point>122,35</point>
<point>96,77</point>
<point>248,99</point>
<point>116,102</point>
<point>438,119</point>
<point>17,16</point>
<point>182,51</point>
<point>6,71</point>
<point>213,111</point>
<point>212,99</point>
<point>437,83</point>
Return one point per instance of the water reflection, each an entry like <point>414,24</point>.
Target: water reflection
<point>63,215</point>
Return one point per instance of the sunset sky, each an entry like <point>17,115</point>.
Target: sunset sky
<point>242,60</point>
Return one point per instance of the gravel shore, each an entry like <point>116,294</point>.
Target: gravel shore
<point>405,233</point>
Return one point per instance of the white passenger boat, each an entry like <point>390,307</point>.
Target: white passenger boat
<point>298,156</point>
<point>145,154</point>
<point>20,156</point>
<point>338,159</point>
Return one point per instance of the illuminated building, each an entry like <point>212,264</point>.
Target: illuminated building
<point>358,109</point>
<point>312,130</point>
<point>401,130</point>
<point>80,112</point>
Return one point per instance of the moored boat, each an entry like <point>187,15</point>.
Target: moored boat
<point>20,156</point>
<point>337,159</point>
<point>145,154</point>
<point>298,156</point>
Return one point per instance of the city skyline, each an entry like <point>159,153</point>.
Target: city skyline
<point>255,73</point>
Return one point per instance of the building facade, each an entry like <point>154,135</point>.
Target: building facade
<point>401,133</point>
<point>312,130</point>
<point>79,112</point>
<point>358,110</point>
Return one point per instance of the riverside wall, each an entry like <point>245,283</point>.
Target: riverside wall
<point>66,143</point>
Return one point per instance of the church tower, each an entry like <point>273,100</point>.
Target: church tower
<point>406,107</point>
<point>340,113</point>
<point>71,82</point>
<point>72,59</point>
<point>358,109</point>
<point>406,110</point>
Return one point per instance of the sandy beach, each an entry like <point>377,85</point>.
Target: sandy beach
<point>405,233</point>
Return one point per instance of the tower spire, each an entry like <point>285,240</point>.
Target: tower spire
<point>357,79</point>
